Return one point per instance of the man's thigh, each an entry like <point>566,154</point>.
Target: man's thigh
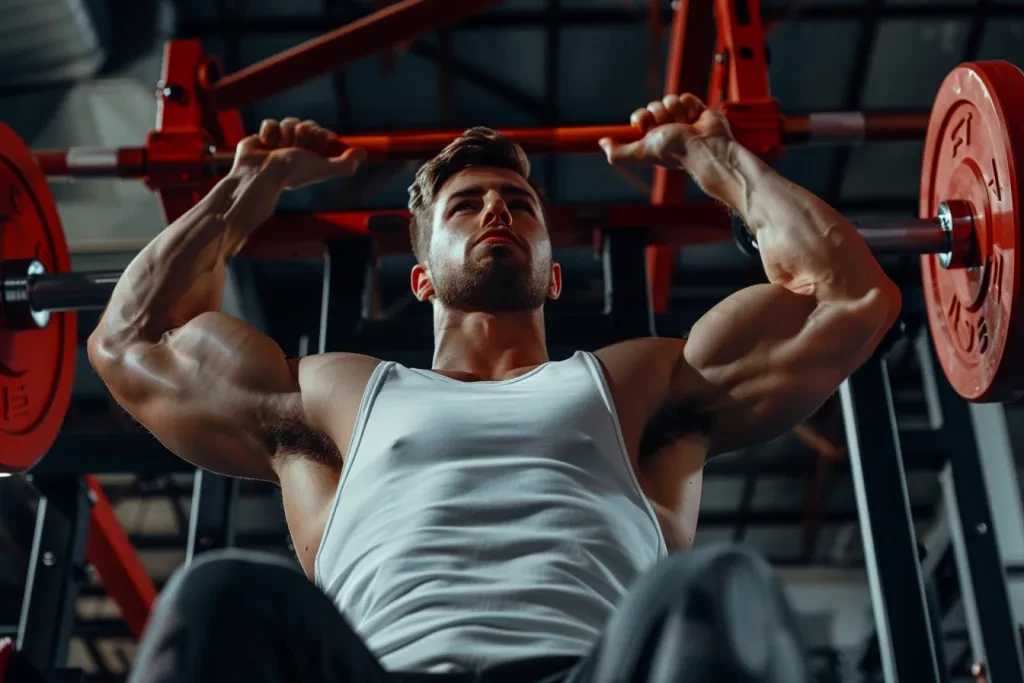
<point>712,614</point>
<point>235,615</point>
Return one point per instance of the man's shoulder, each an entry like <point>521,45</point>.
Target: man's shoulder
<point>308,367</point>
<point>641,356</point>
<point>329,380</point>
<point>643,370</point>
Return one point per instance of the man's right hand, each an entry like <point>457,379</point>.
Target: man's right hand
<point>302,153</point>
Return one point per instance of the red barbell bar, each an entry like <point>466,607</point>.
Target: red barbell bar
<point>814,128</point>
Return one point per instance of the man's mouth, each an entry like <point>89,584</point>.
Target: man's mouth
<point>499,236</point>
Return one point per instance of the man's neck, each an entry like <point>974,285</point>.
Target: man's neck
<point>488,346</point>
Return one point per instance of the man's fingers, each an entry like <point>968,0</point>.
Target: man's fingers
<point>270,132</point>
<point>642,119</point>
<point>659,112</point>
<point>287,128</point>
<point>306,134</point>
<point>348,161</point>
<point>674,107</point>
<point>319,141</point>
<point>692,106</point>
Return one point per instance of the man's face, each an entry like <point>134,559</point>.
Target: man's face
<point>489,247</point>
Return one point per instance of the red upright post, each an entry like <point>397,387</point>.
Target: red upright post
<point>739,81</point>
<point>687,71</point>
<point>186,126</point>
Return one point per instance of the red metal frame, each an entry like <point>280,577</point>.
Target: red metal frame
<point>111,553</point>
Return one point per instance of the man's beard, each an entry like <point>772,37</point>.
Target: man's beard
<point>499,283</point>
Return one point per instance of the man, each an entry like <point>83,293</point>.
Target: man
<point>499,517</point>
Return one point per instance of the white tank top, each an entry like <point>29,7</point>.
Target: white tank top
<point>482,522</point>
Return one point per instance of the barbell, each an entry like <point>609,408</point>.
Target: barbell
<point>969,236</point>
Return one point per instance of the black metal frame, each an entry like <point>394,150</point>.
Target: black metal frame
<point>212,517</point>
<point>627,295</point>
<point>56,567</point>
<point>348,282</point>
<point>906,642</point>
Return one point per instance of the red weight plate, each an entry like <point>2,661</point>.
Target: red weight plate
<point>6,651</point>
<point>974,145</point>
<point>37,367</point>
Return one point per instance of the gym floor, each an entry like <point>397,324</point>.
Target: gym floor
<point>524,63</point>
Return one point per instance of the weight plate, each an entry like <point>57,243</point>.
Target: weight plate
<point>37,366</point>
<point>6,652</point>
<point>974,144</point>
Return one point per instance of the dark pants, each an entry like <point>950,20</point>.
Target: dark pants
<point>715,614</point>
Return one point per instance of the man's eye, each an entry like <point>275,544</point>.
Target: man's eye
<point>462,206</point>
<point>520,204</point>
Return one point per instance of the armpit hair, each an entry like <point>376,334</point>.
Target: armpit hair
<point>678,418</point>
<point>291,436</point>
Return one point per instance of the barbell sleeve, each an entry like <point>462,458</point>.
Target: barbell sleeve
<point>56,292</point>
<point>950,235</point>
<point>905,236</point>
<point>29,294</point>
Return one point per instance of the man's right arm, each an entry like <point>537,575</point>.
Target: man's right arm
<point>203,382</point>
<point>210,387</point>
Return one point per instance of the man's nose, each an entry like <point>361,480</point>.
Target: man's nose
<point>496,210</point>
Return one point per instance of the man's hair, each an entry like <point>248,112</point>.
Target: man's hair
<point>477,146</point>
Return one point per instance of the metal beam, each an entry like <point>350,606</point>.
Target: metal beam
<point>606,16</point>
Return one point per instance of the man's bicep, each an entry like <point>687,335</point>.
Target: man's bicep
<point>211,391</point>
<point>766,358</point>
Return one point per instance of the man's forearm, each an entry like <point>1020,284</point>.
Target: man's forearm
<point>806,245</point>
<point>180,274</point>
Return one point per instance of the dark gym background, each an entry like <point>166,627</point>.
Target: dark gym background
<point>83,72</point>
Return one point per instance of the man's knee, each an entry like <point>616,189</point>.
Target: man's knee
<point>226,580</point>
<point>712,569</point>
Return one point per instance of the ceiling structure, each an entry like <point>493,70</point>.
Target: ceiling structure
<point>523,63</point>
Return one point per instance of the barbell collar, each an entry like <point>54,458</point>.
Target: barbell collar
<point>956,218</point>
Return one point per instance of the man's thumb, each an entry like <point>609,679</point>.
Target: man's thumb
<point>630,152</point>
<point>348,161</point>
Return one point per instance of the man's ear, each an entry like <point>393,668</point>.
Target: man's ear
<point>555,290</point>
<point>419,280</point>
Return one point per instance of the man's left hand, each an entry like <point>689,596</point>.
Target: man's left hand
<point>680,132</point>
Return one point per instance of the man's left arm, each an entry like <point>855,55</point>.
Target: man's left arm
<point>765,358</point>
